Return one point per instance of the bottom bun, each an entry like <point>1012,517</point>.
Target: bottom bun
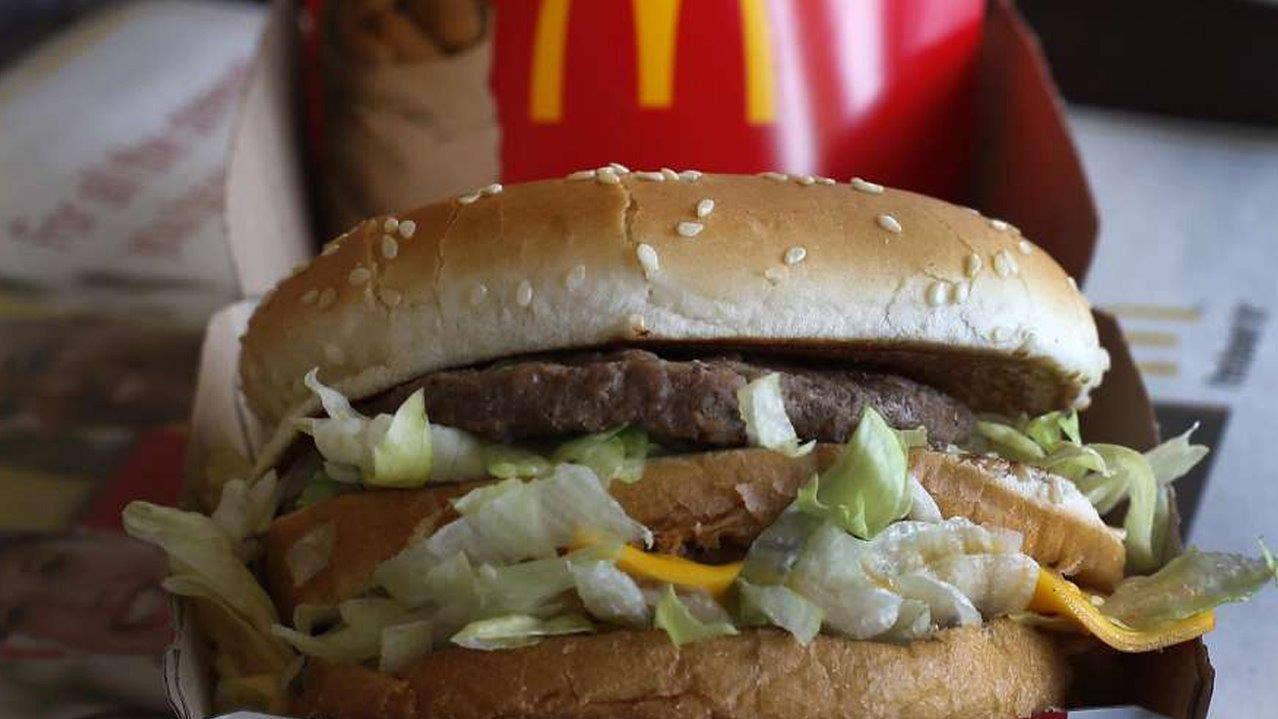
<point>1001,670</point>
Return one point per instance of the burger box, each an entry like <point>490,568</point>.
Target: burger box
<point>1024,168</point>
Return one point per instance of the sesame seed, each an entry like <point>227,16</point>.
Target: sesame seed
<point>326,298</point>
<point>297,269</point>
<point>690,175</point>
<point>773,274</point>
<point>334,354</point>
<point>775,176</point>
<point>407,229</point>
<point>1004,264</point>
<point>648,260</point>
<point>524,293</point>
<point>866,186</point>
<point>390,225</point>
<point>689,229</point>
<point>330,248</point>
<point>576,276</point>
<point>972,265</point>
<point>619,168</point>
<point>582,175</point>
<point>795,255</point>
<point>938,293</point>
<point>1025,247</point>
<point>478,293</point>
<point>390,247</point>
<point>705,207</point>
<point>359,276</point>
<point>806,180</point>
<point>999,225</point>
<point>961,291</point>
<point>669,174</point>
<point>309,296</point>
<point>825,181</point>
<point>650,176</point>
<point>468,198</point>
<point>888,223</point>
<point>493,189</point>
<point>389,297</point>
<point>370,301</point>
<point>636,323</point>
<point>973,210</point>
<point>606,176</point>
<point>1072,282</point>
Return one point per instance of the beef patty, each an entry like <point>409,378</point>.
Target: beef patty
<point>681,403</point>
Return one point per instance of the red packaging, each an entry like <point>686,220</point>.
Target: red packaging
<point>808,86</point>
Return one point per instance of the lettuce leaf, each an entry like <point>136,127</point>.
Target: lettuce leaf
<point>1173,459</point>
<point>1191,583</point>
<point>505,461</point>
<point>1010,442</point>
<point>681,625</point>
<point>783,607</point>
<point>762,409</point>
<point>400,450</point>
<point>513,521</point>
<point>609,594</point>
<point>617,454</point>
<point>199,549</point>
<point>867,487</point>
<point>517,630</point>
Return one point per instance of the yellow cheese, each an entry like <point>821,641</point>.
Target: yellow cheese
<point>1054,594</point>
<point>682,572</point>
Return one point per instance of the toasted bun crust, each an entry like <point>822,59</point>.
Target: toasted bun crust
<point>996,671</point>
<point>704,500</point>
<point>954,299</point>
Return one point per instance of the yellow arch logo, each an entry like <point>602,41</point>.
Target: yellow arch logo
<point>656,25</point>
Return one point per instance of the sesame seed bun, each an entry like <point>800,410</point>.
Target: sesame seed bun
<point>877,276</point>
<point>994,671</point>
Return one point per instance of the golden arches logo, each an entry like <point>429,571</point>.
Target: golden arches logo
<point>656,25</point>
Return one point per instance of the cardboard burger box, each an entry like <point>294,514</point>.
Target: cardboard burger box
<point>1022,167</point>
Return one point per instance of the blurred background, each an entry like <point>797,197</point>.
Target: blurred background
<point>117,119</point>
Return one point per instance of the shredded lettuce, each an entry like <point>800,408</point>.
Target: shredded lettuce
<point>867,488</point>
<point>922,507</point>
<point>674,617</point>
<point>201,551</point>
<point>1191,583</point>
<point>1010,442</point>
<point>400,450</point>
<point>400,644</point>
<point>310,554</point>
<point>911,438</point>
<point>517,630</point>
<point>505,461</point>
<point>783,607</point>
<point>617,454</point>
<point>956,570</point>
<point>762,408</point>
<point>246,510</point>
<point>512,521</point>
<point>1173,459</point>
<point>524,588</point>
<point>1106,474</point>
<point>358,639</point>
<point>774,552</point>
<point>609,594</point>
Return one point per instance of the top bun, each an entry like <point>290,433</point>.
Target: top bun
<point>869,275</point>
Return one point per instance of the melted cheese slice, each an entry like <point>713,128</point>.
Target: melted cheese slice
<point>1053,594</point>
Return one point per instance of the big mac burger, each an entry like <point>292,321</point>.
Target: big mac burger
<point>672,444</point>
